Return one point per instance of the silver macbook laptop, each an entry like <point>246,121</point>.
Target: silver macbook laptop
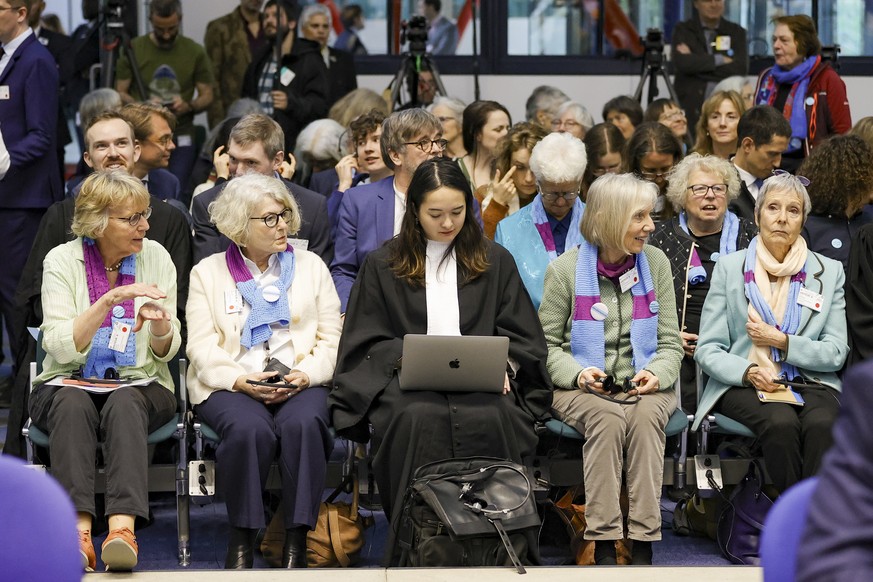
<point>454,363</point>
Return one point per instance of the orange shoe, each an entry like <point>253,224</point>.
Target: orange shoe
<point>86,550</point>
<point>119,552</point>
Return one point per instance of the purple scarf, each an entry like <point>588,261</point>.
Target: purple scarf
<point>727,244</point>
<point>794,109</point>
<point>100,357</point>
<point>541,222</point>
<point>587,337</point>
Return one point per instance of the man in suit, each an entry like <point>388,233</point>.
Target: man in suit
<point>762,136</point>
<point>315,24</point>
<point>60,46</point>
<point>374,213</point>
<point>28,117</point>
<point>706,49</point>
<point>256,145</point>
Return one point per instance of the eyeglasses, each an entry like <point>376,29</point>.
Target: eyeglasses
<point>570,123</point>
<point>701,190</point>
<point>163,141</point>
<point>673,116</point>
<point>272,219</point>
<point>427,145</point>
<point>600,170</point>
<point>5,8</point>
<point>568,197</point>
<point>654,175</point>
<point>133,219</point>
<point>802,179</point>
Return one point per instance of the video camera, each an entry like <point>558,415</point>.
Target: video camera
<point>653,45</point>
<point>414,31</point>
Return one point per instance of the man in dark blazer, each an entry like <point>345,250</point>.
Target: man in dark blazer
<point>706,49</point>
<point>762,136</point>
<point>28,116</point>
<point>256,145</point>
<point>374,213</point>
<point>61,48</point>
<point>315,25</point>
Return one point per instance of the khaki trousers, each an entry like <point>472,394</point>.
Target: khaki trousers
<point>620,438</point>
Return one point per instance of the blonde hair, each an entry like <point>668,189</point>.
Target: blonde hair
<point>612,202</point>
<point>232,210</point>
<point>101,191</point>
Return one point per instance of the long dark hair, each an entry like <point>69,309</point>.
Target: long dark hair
<point>407,254</point>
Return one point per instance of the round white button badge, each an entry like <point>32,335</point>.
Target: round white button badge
<point>271,293</point>
<point>599,311</point>
<point>118,311</point>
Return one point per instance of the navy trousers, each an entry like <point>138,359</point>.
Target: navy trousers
<point>295,433</point>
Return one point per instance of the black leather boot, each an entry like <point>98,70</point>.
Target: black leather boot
<point>294,553</point>
<point>240,548</point>
<point>604,553</point>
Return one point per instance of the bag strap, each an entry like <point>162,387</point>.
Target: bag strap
<point>504,537</point>
<point>335,536</point>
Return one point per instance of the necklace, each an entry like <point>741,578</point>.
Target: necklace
<point>114,267</point>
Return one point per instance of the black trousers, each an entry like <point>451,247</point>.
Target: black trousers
<point>295,432</point>
<point>123,419</point>
<point>793,438</point>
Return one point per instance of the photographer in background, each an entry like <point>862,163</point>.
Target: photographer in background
<point>706,49</point>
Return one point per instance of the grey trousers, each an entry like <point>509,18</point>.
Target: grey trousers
<point>75,420</point>
<point>620,438</point>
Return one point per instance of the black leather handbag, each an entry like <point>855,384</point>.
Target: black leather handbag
<point>472,511</point>
<point>742,519</point>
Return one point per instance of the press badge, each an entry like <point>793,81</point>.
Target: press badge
<point>4,92</point>
<point>286,75</point>
<point>723,43</point>
<point>119,337</point>
<point>811,299</point>
<point>232,301</point>
<point>629,279</point>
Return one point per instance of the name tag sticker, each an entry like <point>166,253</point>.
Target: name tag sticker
<point>4,91</point>
<point>811,299</point>
<point>119,337</point>
<point>232,301</point>
<point>722,43</point>
<point>299,244</point>
<point>286,75</point>
<point>629,279</point>
<point>184,141</point>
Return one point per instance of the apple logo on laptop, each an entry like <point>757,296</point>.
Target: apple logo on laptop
<point>455,364</point>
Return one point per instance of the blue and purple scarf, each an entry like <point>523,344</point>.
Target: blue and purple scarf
<point>100,357</point>
<point>587,336</point>
<point>541,222</point>
<point>727,244</point>
<point>263,313</point>
<point>794,109</point>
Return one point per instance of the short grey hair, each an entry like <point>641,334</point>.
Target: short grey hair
<point>232,210</point>
<point>611,203</point>
<point>320,140</point>
<point>559,157</point>
<point>401,127</point>
<point>579,113</point>
<point>96,102</point>
<point>311,10</point>
<point>677,187</point>
<point>783,183</point>
<point>456,106</point>
<point>544,98</point>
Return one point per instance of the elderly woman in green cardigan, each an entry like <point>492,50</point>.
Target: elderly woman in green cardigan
<point>609,316</point>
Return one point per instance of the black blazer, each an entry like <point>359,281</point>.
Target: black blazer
<point>314,227</point>
<point>341,75</point>
<point>744,205</point>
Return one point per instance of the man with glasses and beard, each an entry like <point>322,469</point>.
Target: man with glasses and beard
<point>172,67</point>
<point>294,91</point>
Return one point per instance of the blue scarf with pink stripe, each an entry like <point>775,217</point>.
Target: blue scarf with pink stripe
<point>587,337</point>
<point>727,244</point>
<point>541,221</point>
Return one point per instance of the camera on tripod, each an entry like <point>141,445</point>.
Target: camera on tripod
<point>415,31</point>
<point>653,44</point>
<point>113,9</point>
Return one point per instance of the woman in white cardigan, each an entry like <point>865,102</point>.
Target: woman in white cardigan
<point>264,312</point>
